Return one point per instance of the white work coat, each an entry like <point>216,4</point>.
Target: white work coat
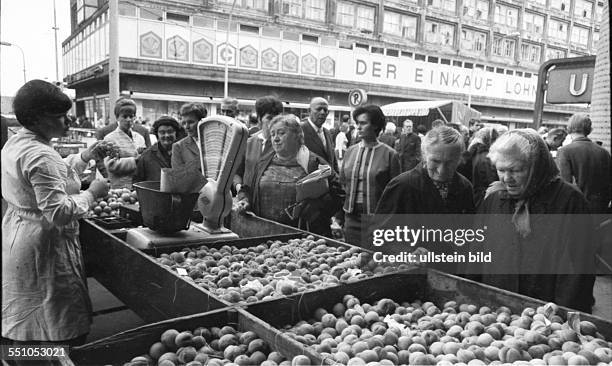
<point>121,171</point>
<point>44,288</point>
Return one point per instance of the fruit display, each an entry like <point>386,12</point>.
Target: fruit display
<point>421,333</point>
<point>273,269</point>
<point>213,347</point>
<point>109,205</point>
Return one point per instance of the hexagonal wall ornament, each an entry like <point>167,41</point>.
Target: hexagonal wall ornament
<point>150,45</point>
<point>290,62</point>
<point>225,52</point>
<point>203,51</point>
<point>328,66</point>
<point>309,64</point>
<point>269,59</point>
<point>248,57</point>
<point>177,49</point>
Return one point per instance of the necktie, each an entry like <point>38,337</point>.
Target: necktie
<point>322,137</point>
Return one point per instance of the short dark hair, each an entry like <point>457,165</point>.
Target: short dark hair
<point>253,119</point>
<point>268,105</point>
<point>578,123</point>
<point>37,98</point>
<point>376,115</point>
<point>122,103</point>
<point>421,129</point>
<point>197,109</point>
<point>166,121</point>
<point>558,132</point>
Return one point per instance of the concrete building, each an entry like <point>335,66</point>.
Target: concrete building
<point>484,51</point>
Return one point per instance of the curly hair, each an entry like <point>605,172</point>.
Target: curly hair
<point>166,121</point>
<point>292,124</point>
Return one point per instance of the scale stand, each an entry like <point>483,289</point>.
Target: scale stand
<point>145,238</point>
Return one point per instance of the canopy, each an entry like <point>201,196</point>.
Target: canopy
<point>456,112</point>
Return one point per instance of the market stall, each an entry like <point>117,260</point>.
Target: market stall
<point>425,112</point>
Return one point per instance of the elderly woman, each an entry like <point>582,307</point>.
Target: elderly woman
<point>435,187</point>
<point>539,230</point>
<point>44,287</point>
<point>159,155</point>
<point>121,169</point>
<point>187,151</point>
<point>366,169</point>
<point>483,172</point>
<point>272,188</point>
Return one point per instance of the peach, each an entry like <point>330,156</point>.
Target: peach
<point>465,356</point>
<point>578,360</point>
<point>355,361</point>
<point>186,354</point>
<point>417,347</point>
<point>300,360</point>
<point>491,353</point>
<point>484,340</point>
<point>570,346</point>
<point>156,350</point>
<point>451,348</point>
<point>588,328</point>
<point>168,338</point>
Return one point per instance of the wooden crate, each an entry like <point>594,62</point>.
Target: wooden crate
<point>425,285</point>
<point>124,346</point>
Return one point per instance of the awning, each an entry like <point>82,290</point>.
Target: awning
<point>418,108</point>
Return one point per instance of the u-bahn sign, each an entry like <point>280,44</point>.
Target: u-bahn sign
<point>571,83</point>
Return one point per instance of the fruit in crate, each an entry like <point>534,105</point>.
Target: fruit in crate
<point>422,333</point>
<point>272,269</point>
<point>214,346</point>
<point>109,205</point>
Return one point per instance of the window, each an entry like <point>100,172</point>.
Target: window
<point>244,28</point>
<point>407,54</point>
<point>419,57</point>
<point>583,9</point>
<point>293,8</point>
<point>580,35</point>
<point>355,16</point>
<point>378,50</point>
<point>127,10</point>
<point>177,18</point>
<point>203,22</point>
<point>504,47</point>
<point>401,25</point>
<point>449,5</point>
<point>440,33</point>
<point>472,40</point>
<point>476,9</point>
<point>255,4</point>
<point>506,15</point>
<point>432,59</point>
<point>490,69</point>
<point>445,61</point>
<point>307,9</point>
<point>563,5</point>
<point>598,12</point>
<point>533,23</point>
<point>553,53</point>
<point>310,38</point>
<point>392,52</point>
<point>531,52</point>
<point>540,2</point>
<point>595,39</point>
<point>457,63</point>
<point>557,30</point>
<point>468,65</point>
<point>151,14</point>
<point>85,9</point>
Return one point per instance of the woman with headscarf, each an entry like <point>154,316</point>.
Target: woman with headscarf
<point>366,169</point>
<point>538,227</point>
<point>158,156</point>
<point>272,188</point>
<point>44,286</point>
<point>483,171</point>
<point>121,169</point>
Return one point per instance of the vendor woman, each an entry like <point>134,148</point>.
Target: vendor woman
<point>44,288</point>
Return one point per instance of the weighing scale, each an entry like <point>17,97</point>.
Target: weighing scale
<point>167,216</point>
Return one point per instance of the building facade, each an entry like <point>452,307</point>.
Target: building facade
<point>485,52</point>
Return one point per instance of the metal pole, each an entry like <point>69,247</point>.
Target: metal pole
<point>113,54</point>
<point>22,57</point>
<point>55,29</point>
<point>229,24</point>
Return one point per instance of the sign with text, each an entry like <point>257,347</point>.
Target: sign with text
<point>570,84</point>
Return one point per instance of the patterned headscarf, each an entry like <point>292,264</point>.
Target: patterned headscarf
<point>542,171</point>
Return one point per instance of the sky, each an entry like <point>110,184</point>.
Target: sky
<point>29,23</point>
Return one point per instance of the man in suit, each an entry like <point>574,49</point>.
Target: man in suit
<point>408,147</point>
<point>316,138</point>
<point>586,164</point>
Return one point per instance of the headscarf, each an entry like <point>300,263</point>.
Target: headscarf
<point>542,171</point>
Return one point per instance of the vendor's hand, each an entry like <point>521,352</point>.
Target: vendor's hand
<point>241,206</point>
<point>99,188</point>
<point>141,149</point>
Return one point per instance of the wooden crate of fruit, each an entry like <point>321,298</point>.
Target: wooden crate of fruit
<point>427,317</point>
<point>153,291</point>
<point>213,338</point>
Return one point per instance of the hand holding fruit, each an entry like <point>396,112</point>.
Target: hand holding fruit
<point>241,206</point>
<point>99,188</point>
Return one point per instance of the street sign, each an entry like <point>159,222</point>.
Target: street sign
<point>357,97</point>
<point>570,84</point>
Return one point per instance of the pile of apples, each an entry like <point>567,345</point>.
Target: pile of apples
<point>421,333</point>
<point>273,269</point>
<point>213,347</point>
<point>109,205</point>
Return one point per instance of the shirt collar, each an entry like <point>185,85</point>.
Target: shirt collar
<point>317,129</point>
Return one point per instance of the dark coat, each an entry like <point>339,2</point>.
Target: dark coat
<point>150,163</point>
<point>483,173</point>
<point>385,138</point>
<point>408,146</point>
<point>185,151</point>
<point>587,164</point>
<point>413,192</point>
<point>315,145</point>
<point>326,205</point>
<point>561,231</point>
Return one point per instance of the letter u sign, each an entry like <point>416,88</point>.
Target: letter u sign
<point>583,85</point>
